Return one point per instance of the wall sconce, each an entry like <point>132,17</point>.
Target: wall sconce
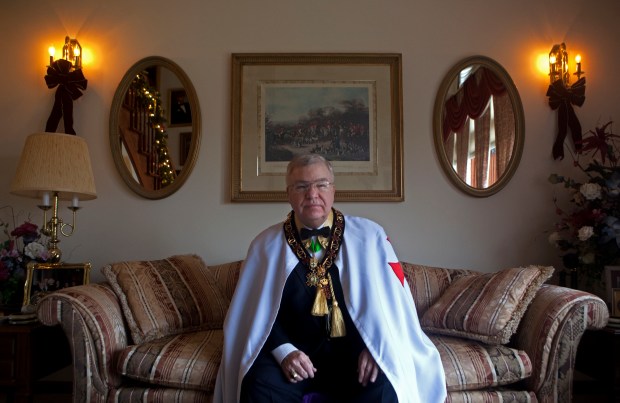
<point>54,167</point>
<point>562,96</point>
<point>66,74</point>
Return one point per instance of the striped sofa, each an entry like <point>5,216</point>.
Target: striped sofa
<point>143,336</point>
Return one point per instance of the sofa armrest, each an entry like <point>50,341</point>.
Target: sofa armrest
<point>550,332</point>
<point>92,320</point>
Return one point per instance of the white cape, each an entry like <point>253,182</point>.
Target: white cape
<point>381,307</point>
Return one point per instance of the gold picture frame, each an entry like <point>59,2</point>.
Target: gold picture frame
<point>347,107</point>
<point>44,278</point>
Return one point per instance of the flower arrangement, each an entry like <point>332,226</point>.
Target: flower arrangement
<point>588,233</point>
<point>13,259</point>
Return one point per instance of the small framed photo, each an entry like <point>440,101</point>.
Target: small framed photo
<point>612,280</point>
<point>615,305</point>
<point>180,111</point>
<point>44,278</point>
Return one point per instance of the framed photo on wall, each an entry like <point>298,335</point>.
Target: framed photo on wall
<point>346,107</point>
<point>180,111</point>
<point>44,278</point>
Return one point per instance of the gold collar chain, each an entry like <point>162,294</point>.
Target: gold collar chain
<point>317,275</point>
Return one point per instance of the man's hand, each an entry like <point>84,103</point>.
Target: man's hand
<point>297,366</point>
<point>367,368</point>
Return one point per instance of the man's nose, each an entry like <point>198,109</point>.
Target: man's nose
<point>312,191</point>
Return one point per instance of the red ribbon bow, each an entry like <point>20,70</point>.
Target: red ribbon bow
<point>69,85</point>
<point>563,99</point>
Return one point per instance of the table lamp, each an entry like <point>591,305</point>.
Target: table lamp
<point>55,166</point>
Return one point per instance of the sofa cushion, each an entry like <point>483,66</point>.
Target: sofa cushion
<point>471,365</point>
<point>428,283</point>
<point>186,361</point>
<point>168,296</point>
<point>486,307</point>
<point>227,275</point>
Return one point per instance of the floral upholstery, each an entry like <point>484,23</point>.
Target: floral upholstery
<point>536,365</point>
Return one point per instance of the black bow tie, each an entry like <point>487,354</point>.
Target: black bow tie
<point>307,233</point>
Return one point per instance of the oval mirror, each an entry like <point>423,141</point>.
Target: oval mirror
<point>155,127</point>
<point>478,126</point>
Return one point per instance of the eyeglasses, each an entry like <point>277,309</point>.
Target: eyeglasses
<point>304,187</point>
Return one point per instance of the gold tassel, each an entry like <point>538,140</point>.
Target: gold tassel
<point>338,327</point>
<point>319,308</point>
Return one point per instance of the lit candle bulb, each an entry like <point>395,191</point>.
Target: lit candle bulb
<point>578,61</point>
<point>78,62</point>
<point>75,202</point>
<point>52,52</point>
<point>552,71</point>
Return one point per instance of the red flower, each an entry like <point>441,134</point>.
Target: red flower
<point>585,217</point>
<point>28,231</point>
<point>598,143</point>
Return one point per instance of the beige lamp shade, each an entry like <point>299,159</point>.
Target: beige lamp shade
<point>55,162</point>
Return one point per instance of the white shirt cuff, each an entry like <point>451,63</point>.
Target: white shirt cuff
<point>282,351</point>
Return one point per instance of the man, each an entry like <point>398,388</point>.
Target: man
<point>324,311</point>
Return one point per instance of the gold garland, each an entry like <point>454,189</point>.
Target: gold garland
<point>317,271</point>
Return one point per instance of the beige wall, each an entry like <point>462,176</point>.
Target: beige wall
<point>436,225</point>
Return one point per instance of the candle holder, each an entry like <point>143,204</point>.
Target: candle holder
<point>56,226</point>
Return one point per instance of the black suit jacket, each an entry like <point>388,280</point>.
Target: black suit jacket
<point>296,325</point>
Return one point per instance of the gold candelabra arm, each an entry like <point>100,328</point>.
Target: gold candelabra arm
<point>56,226</point>
<point>71,226</point>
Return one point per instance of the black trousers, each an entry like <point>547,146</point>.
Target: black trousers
<point>266,383</point>
<point>334,358</point>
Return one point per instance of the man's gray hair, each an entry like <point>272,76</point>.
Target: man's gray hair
<point>303,160</point>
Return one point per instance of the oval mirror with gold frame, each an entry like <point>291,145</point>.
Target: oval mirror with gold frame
<point>155,127</point>
<point>478,126</point>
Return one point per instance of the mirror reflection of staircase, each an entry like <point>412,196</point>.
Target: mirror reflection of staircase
<point>139,142</point>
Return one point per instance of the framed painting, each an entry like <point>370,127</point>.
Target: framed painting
<point>346,107</point>
<point>44,278</point>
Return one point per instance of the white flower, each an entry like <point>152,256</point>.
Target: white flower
<point>554,237</point>
<point>585,233</point>
<point>35,250</point>
<point>591,191</point>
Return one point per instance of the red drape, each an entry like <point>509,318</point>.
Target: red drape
<point>504,131</point>
<point>470,100</point>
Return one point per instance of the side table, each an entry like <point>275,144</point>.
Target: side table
<point>598,356</point>
<point>29,352</point>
